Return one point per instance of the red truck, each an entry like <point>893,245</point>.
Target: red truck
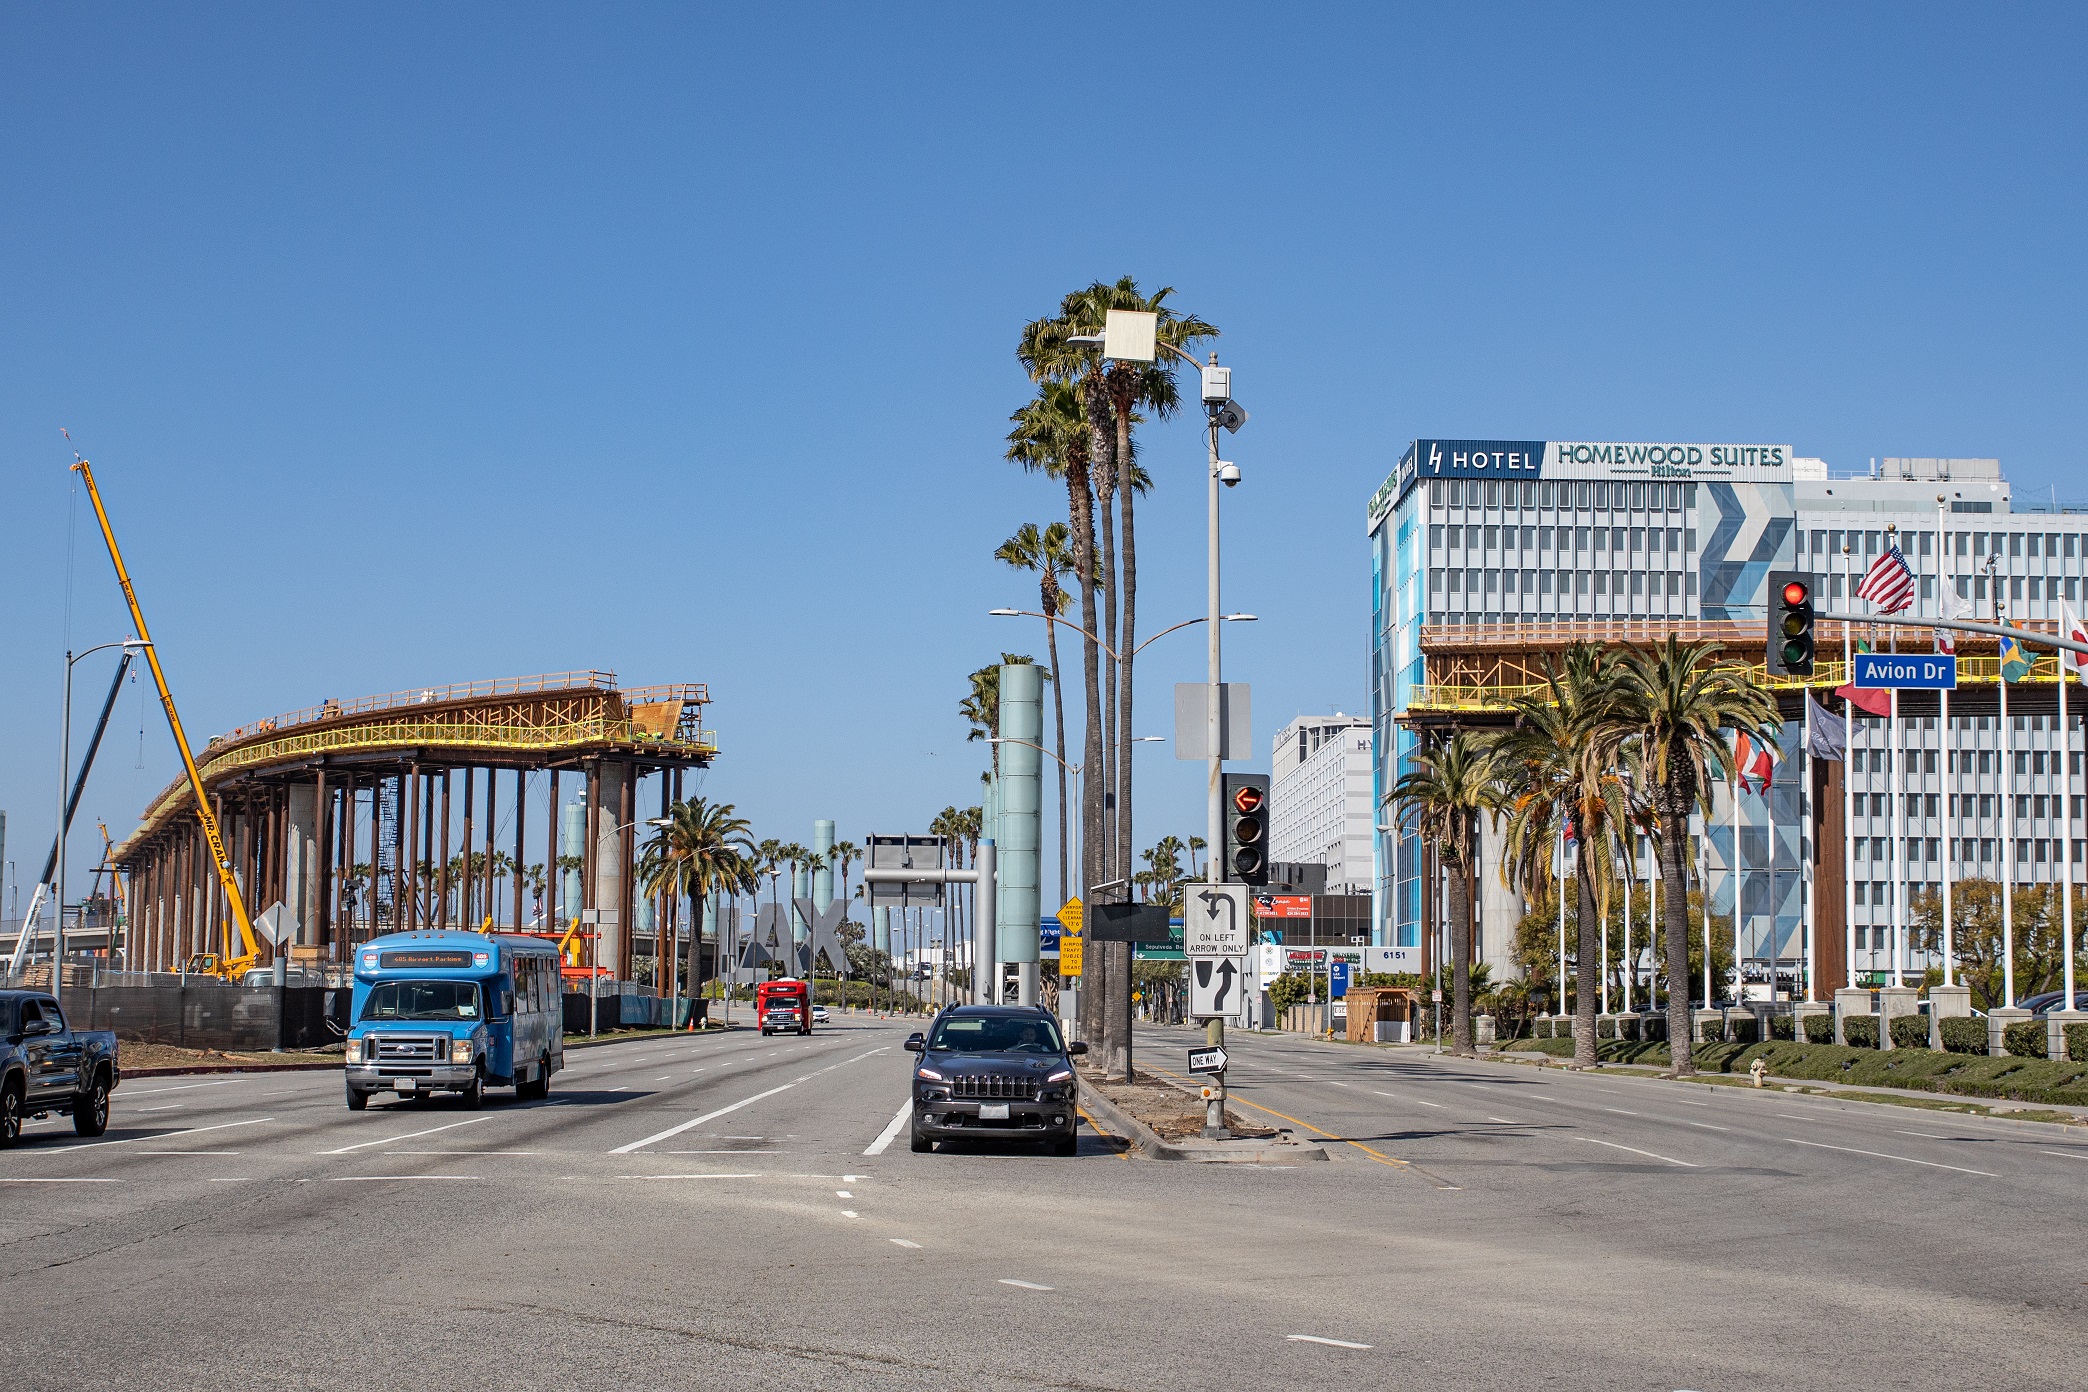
<point>784,1005</point>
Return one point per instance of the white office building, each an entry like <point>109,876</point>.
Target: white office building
<point>1319,797</point>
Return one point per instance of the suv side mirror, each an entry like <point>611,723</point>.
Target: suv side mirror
<point>1077,1047</point>
<point>914,1044</point>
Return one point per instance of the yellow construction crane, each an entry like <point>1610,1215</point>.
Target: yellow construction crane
<point>229,967</point>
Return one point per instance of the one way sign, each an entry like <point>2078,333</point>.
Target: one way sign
<point>1216,987</point>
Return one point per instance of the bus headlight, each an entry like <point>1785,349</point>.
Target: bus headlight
<point>460,1051</point>
<point>354,1049</point>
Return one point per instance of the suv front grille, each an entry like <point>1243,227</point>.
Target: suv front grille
<point>996,1087</point>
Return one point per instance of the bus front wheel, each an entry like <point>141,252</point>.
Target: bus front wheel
<point>475,1095</point>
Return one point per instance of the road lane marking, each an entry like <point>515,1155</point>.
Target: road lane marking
<point>1636,1151</point>
<point>1619,1111</point>
<point>843,1194</point>
<point>1504,1121</point>
<point>1709,1127</point>
<point>1377,1155</point>
<point>673,1131</point>
<point>1415,1100</point>
<point>1931,1135</point>
<point>410,1135</point>
<point>891,1131</point>
<point>721,1152</point>
<point>184,1087</point>
<point>2081,1154</point>
<point>850,1213</point>
<point>14,1179</point>
<point>386,1178</point>
<point>155,1136</point>
<point>747,1175</point>
<point>902,1242</point>
<point>1024,1285</point>
<point>1881,1155</point>
<point>1330,1343</point>
<point>463,1152</point>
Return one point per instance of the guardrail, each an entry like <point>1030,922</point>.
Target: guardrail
<point>546,682</point>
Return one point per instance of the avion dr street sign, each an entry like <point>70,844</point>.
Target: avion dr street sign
<point>1918,671</point>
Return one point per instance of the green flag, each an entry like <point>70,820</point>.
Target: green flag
<point>2015,663</point>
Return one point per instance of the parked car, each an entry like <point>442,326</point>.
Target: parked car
<point>47,1067</point>
<point>292,976</point>
<point>1001,1072</point>
<point>2045,1002</point>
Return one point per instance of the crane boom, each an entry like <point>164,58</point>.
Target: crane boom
<point>249,951</point>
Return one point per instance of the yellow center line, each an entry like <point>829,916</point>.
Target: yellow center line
<point>1377,1155</point>
<point>1097,1127</point>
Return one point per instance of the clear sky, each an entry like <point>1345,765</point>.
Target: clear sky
<point>415,344</point>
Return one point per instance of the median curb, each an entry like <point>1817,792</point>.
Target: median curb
<point>1255,1152</point>
<point>184,1070</point>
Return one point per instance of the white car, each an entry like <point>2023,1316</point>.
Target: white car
<point>819,1014</point>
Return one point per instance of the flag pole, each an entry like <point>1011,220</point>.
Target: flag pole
<point>2007,812</point>
<point>1896,855</point>
<point>1848,790</point>
<point>2066,822</point>
<point>1950,823</point>
<point>1736,789</point>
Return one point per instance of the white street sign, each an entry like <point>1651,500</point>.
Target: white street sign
<point>1217,987</point>
<point>1211,1060</point>
<point>1214,920</point>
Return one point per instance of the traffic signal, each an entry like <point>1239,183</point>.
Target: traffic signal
<point>1244,858</point>
<point>1790,638</point>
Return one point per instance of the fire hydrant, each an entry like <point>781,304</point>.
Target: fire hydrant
<point>1758,1070</point>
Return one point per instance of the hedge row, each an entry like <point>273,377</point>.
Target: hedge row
<point>1964,1035</point>
<point>1861,1031</point>
<point>2035,1080</point>
<point>1910,1031</point>
<point>2026,1038</point>
<point>1819,1029</point>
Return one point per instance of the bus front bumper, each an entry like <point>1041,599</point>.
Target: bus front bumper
<point>411,1078</point>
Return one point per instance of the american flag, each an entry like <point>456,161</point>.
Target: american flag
<point>1889,583</point>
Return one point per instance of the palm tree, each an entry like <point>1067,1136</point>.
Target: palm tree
<point>1048,552</point>
<point>1440,798</point>
<point>770,858</point>
<point>703,850</point>
<point>844,854</point>
<point>1563,751</point>
<point>1678,704</point>
<point>982,707</point>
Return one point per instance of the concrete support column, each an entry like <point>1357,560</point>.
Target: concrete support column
<point>1020,835</point>
<point>605,862</point>
<point>574,820</point>
<point>982,923</point>
<point>823,878</point>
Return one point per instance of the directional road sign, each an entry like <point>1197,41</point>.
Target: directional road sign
<point>1072,955</point>
<point>1214,920</point>
<point>1337,979</point>
<point>1211,1060</point>
<point>1216,987</point>
<point>1915,671</point>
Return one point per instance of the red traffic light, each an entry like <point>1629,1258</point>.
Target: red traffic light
<point>1796,592</point>
<point>1248,799</point>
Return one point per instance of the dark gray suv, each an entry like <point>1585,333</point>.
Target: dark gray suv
<point>995,1072</point>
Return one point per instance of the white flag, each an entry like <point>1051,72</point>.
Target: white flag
<point>2070,627</point>
<point>1953,608</point>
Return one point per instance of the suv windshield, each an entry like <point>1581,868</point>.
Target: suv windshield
<point>988,1034</point>
<point>423,1000</point>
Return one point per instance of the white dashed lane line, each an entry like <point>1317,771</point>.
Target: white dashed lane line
<point>1330,1343</point>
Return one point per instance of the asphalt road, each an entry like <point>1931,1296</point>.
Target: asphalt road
<point>703,1213</point>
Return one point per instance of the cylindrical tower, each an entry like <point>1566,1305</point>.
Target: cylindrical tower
<point>1018,837</point>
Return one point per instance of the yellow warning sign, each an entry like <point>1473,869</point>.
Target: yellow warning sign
<point>1069,955</point>
<point>1069,915</point>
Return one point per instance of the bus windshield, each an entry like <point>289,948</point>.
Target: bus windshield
<point>422,1000</point>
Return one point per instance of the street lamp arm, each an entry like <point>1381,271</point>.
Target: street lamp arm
<point>1070,768</point>
<point>1053,618</point>
<point>1200,618</point>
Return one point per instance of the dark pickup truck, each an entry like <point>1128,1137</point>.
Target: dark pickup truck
<point>46,1067</point>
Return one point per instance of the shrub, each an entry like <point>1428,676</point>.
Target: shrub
<point>2025,1038</point>
<point>1819,1029</point>
<point>1653,1027</point>
<point>2077,1043</point>
<point>1910,1031</point>
<point>1606,1028</point>
<point>1964,1035</point>
<point>1713,1031</point>
<point>1785,1027</point>
<point>1542,1028</point>
<point>1861,1031</point>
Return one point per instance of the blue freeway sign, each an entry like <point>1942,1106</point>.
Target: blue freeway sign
<point>1918,671</point>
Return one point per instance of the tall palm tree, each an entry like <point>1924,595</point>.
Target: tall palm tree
<point>1051,435</point>
<point>1049,552</point>
<point>770,852</point>
<point>982,707</point>
<point>1679,704</point>
<point>1134,387</point>
<point>703,850</point>
<point>1440,798</point>
<point>1563,749</point>
<point>843,855</point>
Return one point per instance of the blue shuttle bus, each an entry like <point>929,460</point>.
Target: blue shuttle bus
<point>453,1011</point>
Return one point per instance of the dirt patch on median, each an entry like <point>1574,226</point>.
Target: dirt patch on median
<point>135,1058</point>
<point>1172,1113</point>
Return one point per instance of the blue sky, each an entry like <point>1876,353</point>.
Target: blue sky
<point>421,344</point>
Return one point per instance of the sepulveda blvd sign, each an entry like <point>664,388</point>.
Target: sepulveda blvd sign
<point>1905,671</point>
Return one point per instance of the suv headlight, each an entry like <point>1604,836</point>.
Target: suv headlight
<point>460,1051</point>
<point>924,1071</point>
<point>354,1049</point>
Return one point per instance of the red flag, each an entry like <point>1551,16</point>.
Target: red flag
<point>1876,702</point>
<point>1753,761</point>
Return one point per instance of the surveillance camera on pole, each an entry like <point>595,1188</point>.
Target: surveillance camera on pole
<point>1228,473</point>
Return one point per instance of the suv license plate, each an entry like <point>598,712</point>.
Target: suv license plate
<point>993,1111</point>
<point>405,1084</point>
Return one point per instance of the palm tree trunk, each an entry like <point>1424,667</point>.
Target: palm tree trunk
<point>1058,716</point>
<point>1116,991</point>
<point>693,974</point>
<point>1674,916</point>
<point>1460,960</point>
<point>1094,983</point>
<point>1587,969</point>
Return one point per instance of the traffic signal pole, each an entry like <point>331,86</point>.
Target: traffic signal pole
<point>1214,796</point>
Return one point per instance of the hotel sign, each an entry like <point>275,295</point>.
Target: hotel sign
<point>1426,460</point>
